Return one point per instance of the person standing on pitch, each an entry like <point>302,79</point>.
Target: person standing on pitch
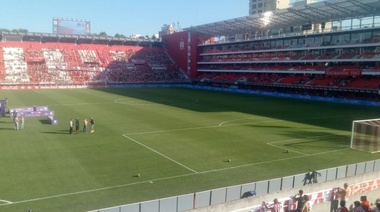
<point>22,121</point>
<point>16,121</point>
<point>85,122</point>
<point>76,126</point>
<point>71,125</point>
<point>92,122</point>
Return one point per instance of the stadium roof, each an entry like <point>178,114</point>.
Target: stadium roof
<point>323,11</point>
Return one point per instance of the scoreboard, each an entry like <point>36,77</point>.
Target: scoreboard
<point>70,26</point>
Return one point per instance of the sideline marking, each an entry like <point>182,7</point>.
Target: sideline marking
<point>160,154</point>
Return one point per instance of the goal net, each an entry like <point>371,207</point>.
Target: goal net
<point>365,135</point>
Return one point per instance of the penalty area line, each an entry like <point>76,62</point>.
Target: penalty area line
<point>5,202</point>
<point>159,153</point>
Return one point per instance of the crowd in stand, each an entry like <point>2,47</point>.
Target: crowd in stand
<point>76,64</point>
<point>304,203</point>
<point>284,63</point>
<point>353,87</point>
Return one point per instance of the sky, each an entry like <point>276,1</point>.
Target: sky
<point>127,17</point>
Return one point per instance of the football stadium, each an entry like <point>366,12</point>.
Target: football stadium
<point>216,117</point>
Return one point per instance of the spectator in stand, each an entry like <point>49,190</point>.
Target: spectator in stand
<point>275,207</point>
<point>344,192</point>
<point>357,207</point>
<point>306,206</point>
<point>300,200</point>
<point>377,208</point>
<point>343,207</point>
<point>365,204</point>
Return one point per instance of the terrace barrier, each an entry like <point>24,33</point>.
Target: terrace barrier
<point>362,177</point>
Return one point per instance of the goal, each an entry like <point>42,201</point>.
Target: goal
<point>365,135</point>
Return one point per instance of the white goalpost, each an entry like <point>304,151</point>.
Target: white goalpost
<point>365,135</point>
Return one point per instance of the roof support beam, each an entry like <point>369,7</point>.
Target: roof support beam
<point>328,10</point>
<point>339,8</point>
<point>319,11</point>
<point>300,13</point>
<point>364,7</point>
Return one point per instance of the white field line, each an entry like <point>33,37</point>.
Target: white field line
<point>280,147</point>
<point>5,202</point>
<point>151,149</point>
<point>172,130</point>
<point>165,178</point>
<point>222,124</point>
<point>309,138</point>
<point>117,101</point>
<point>275,120</point>
<point>273,143</point>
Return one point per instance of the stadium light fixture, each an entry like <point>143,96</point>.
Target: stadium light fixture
<point>266,17</point>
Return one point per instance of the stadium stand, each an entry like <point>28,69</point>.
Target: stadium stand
<point>335,61</point>
<point>341,60</point>
<point>68,63</point>
<point>347,65</point>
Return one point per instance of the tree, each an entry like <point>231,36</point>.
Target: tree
<point>23,30</point>
<point>4,30</point>
<point>117,35</point>
<point>103,34</point>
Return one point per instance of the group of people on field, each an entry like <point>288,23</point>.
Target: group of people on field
<point>76,124</point>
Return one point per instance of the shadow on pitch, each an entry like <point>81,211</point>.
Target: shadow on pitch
<point>5,122</point>
<point>265,126</point>
<point>44,121</point>
<point>8,128</point>
<point>59,132</point>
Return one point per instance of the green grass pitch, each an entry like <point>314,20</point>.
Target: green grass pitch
<point>178,140</point>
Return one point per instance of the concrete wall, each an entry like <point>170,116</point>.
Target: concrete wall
<point>364,184</point>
